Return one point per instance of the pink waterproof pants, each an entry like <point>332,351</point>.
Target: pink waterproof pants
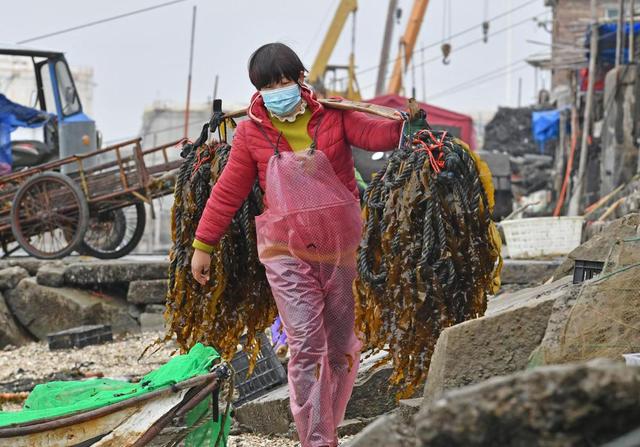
<point>307,239</point>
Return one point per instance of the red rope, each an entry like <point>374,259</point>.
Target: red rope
<point>437,164</point>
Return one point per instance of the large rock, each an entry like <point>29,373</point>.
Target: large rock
<point>371,397</point>
<point>498,343</point>
<point>389,430</point>
<point>105,273</point>
<point>29,264</point>
<point>10,332</point>
<point>43,310</point>
<point>527,271</point>
<point>11,276</point>
<point>560,405</point>
<point>51,274</point>
<point>598,247</point>
<point>148,292</point>
<point>602,321</point>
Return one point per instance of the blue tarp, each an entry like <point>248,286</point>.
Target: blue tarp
<point>607,42</point>
<point>545,126</point>
<point>12,116</point>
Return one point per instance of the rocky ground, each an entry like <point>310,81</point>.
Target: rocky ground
<point>116,360</point>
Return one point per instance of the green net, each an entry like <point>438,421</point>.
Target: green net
<point>64,398</point>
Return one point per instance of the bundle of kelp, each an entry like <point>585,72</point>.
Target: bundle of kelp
<point>429,253</point>
<point>238,297</point>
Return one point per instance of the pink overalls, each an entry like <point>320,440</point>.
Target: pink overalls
<point>307,240</point>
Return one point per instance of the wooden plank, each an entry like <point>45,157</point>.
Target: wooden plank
<point>72,434</point>
<point>127,433</point>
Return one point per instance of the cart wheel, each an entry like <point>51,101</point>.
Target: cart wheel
<point>115,233</point>
<point>49,216</point>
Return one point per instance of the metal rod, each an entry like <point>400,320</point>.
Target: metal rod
<point>386,47</point>
<point>186,110</point>
<point>519,92</point>
<point>620,33</point>
<point>215,88</point>
<point>632,34</point>
<point>422,74</point>
<point>574,203</point>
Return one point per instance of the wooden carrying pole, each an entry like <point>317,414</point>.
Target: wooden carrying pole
<point>342,104</point>
<point>574,203</point>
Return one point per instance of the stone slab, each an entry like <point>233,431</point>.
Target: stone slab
<point>10,331</point>
<point>104,273</point>
<point>43,310</point>
<point>526,271</point>
<point>371,397</point>
<point>498,343</point>
<point>147,292</point>
<point>579,404</point>
<point>51,275</point>
<point>11,276</point>
<point>407,408</point>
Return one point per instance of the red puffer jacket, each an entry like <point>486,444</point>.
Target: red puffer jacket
<point>251,151</point>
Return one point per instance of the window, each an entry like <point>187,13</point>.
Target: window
<point>68,93</point>
<point>47,87</point>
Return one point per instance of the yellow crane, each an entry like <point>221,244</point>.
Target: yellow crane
<point>407,44</point>
<point>321,68</point>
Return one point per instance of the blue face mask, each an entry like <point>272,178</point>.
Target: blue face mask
<point>281,101</point>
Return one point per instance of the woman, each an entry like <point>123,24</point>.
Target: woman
<point>308,235</point>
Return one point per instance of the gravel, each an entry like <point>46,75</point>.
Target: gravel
<point>35,362</point>
<point>117,360</point>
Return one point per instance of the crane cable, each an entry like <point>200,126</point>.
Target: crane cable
<point>446,32</point>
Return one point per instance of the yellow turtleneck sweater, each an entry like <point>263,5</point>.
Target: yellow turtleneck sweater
<point>295,132</point>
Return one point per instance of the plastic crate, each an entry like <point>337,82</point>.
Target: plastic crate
<point>542,236</point>
<point>584,270</point>
<point>632,359</point>
<point>79,337</point>
<point>267,374</point>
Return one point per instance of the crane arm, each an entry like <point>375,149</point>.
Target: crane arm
<point>345,8</point>
<point>408,43</point>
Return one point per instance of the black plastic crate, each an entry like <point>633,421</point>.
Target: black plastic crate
<point>81,336</point>
<point>584,270</point>
<point>267,374</point>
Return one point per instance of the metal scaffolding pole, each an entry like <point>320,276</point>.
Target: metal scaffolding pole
<point>620,33</point>
<point>574,203</point>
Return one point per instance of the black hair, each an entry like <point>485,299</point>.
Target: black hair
<point>273,61</point>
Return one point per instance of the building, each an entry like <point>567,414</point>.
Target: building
<point>570,21</point>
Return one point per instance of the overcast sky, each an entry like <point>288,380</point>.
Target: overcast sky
<point>144,58</point>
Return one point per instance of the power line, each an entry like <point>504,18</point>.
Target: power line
<point>98,22</point>
<point>453,36</point>
<point>486,77</point>
<point>473,42</point>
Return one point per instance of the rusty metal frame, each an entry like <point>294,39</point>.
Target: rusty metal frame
<point>132,183</point>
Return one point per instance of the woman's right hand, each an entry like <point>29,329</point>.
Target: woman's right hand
<point>200,263</point>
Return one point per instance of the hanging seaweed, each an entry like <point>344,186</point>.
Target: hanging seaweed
<point>428,255</point>
<point>238,297</point>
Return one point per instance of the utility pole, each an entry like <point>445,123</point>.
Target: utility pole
<point>574,203</point>
<point>620,33</point>
<point>186,109</point>
<point>386,47</point>
<point>509,83</point>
